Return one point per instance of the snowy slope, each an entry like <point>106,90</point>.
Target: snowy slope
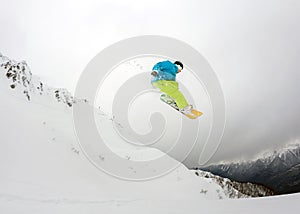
<point>43,169</point>
<point>233,189</point>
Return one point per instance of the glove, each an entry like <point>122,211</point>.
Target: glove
<point>154,73</point>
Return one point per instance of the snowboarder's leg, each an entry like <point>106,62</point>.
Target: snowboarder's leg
<point>172,90</point>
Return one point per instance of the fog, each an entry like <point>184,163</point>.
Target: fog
<point>252,45</point>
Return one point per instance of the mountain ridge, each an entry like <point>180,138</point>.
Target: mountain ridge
<point>279,170</point>
<point>19,77</point>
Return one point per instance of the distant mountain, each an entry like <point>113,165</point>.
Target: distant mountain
<point>279,171</point>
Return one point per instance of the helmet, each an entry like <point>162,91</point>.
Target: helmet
<point>178,63</point>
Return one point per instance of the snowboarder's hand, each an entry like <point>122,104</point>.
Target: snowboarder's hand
<point>154,73</point>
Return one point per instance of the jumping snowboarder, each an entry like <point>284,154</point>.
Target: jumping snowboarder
<point>164,78</point>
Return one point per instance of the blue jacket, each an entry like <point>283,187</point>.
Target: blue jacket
<point>166,71</point>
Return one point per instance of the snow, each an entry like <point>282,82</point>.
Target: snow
<point>43,170</point>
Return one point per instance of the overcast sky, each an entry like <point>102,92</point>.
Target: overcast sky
<point>253,46</point>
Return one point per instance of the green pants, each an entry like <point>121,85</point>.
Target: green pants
<point>171,89</point>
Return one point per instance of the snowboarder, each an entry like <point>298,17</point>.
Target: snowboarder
<point>164,78</point>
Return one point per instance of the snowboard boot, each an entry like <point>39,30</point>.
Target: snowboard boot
<point>190,111</point>
<point>187,110</point>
